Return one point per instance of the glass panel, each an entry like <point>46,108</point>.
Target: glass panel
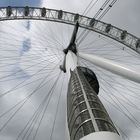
<point>94,104</point>
<point>76,110</point>
<point>105,126</point>
<point>85,129</point>
<point>99,114</point>
<point>77,99</point>
<point>77,120</point>
<point>91,97</point>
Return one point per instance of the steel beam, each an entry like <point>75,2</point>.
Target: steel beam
<point>112,66</point>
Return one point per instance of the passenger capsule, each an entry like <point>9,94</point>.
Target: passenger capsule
<point>9,11</point>
<point>76,17</point>
<point>138,44</point>
<point>43,12</point>
<point>26,12</point>
<point>108,28</point>
<point>92,22</point>
<point>123,35</point>
<point>60,14</point>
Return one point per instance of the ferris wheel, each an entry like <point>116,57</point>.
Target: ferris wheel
<point>35,61</point>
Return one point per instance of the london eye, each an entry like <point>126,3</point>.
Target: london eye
<point>59,71</point>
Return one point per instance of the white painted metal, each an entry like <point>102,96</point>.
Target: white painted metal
<point>71,62</point>
<point>112,66</point>
<point>102,135</point>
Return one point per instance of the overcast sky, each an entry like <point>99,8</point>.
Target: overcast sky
<point>124,14</point>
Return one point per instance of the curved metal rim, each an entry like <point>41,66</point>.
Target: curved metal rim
<point>35,13</point>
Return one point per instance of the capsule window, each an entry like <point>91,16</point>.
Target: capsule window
<point>94,104</point>
<point>85,129</point>
<point>105,126</point>
<point>75,111</point>
<point>78,99</point>
<point>99,114</point>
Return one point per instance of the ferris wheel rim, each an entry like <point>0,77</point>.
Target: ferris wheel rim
<point>54,15</point>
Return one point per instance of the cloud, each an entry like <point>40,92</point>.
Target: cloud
<point>19,73</point>
<point>28,25</point>
<point>26,46</point>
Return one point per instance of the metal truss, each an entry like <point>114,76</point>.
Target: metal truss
<point>33,13</point>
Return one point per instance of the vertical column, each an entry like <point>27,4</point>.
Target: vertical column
<point>71,62</point>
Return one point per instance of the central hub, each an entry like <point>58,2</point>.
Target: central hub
<point>71,47</point>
